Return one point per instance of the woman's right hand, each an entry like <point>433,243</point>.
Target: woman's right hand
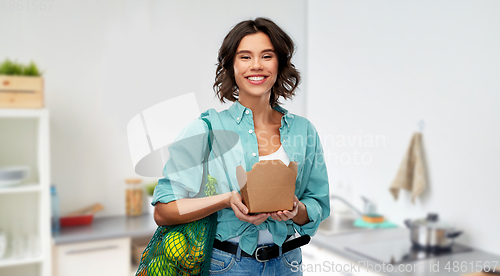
<point>241,211</point>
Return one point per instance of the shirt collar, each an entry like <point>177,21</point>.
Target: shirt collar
<point>237,111</point>
<point>288,117</point>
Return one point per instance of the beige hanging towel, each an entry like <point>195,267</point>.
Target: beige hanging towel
<point>412,175</point>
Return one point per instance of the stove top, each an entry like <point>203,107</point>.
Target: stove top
<point>399,251</point>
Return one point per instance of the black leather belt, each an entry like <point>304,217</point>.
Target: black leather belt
<point>263,253</point>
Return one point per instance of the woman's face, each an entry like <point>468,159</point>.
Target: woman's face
<point>255,66</point>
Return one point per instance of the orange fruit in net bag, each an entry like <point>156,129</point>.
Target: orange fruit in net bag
<point>196,250</point>
<point>188,262</point>
<point>196,270</point>
<point>142,272</point>
<point>144,254</point>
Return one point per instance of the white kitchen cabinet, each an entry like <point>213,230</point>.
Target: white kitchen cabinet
<point>96,258</point>
<point>317,260</point>
<point>25,208</point>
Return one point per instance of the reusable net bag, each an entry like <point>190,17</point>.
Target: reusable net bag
<point>180,249</point>
<point>184,249</point>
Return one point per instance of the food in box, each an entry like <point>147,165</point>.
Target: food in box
<point>268,187</point>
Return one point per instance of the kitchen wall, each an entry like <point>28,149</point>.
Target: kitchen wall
<point>105,61</point>
<point>376,68</point>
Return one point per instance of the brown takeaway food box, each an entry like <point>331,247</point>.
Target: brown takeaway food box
<point>268,187</point>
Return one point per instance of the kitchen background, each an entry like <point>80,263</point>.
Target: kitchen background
<point>371,71</point>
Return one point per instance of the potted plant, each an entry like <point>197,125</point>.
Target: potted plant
<point>150,189</point>
<point>21,86</point>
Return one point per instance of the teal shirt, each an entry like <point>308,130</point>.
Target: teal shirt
<point>234,126</point>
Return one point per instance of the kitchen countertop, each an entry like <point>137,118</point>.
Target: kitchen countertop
<point>144,226</point>
<point>108,228</point>
<point>442,265</point>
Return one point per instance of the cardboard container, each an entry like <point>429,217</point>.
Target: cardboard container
<point>268,187</point>
<point>21,92</point>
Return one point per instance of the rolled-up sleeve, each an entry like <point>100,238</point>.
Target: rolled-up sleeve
<point>316,194</point>
<point>183,170</point>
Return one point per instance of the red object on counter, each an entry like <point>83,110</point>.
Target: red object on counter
<point>76,220</point>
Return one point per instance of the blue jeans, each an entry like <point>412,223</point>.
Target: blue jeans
<point>224,263</point>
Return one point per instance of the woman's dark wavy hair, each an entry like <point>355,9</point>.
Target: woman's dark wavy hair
<point>288,77</point>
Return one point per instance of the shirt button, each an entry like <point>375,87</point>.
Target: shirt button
<point>250,131</point>
<point>237,119</point>
<point>246,112</point>
<point>254,154</point>
<point>283,140</point>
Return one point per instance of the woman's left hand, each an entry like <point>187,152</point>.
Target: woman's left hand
<point>286,214</point>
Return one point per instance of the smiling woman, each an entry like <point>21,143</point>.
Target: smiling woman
<point>256,45</point>
<point>254,71</point>
<point>255,66</point>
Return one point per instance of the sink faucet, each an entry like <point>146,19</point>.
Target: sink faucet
<point>369,206</point>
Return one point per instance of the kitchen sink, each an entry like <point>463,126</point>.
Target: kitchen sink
<point>337,224</point>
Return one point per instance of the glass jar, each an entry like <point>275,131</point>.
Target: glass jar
<point>133,196</point>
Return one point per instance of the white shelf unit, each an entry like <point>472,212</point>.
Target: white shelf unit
<point>25,208</point>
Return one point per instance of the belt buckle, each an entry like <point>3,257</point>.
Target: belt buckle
<point>257,254</point>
